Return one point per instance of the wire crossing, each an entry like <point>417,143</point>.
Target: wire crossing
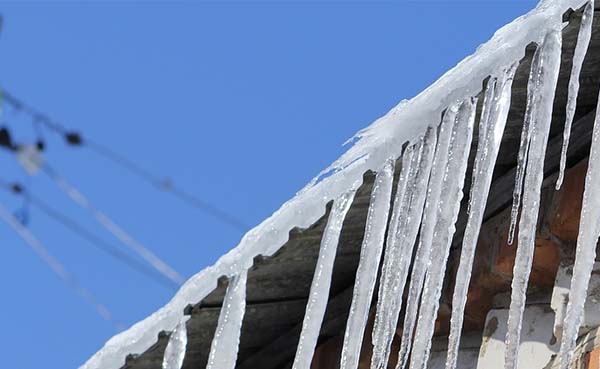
<point>90,237</point>
<point>76,196</point>
<point>75,139</point>
<point>57,267</point>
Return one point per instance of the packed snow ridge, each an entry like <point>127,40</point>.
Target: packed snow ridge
<point>434,163</point>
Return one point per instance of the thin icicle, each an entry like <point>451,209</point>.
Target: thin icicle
<point>319,289</point>
<point>543,99</point>
<point>175,351</point>
<point>487,152</point>
<point>438,171</point>
<point>449,205</point>
<point>585,255</point>
<point>366,274</point>
<point>532,86</point>
<point>399,250</point>
<point>226,342</point>
<point>56,266</point>
<point>112,227</point>
<point>583,41</point>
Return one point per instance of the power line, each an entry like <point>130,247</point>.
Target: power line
<point>164,184</point>
<point>87,235</point>
<point>57,267</point>
<point>76,196</point>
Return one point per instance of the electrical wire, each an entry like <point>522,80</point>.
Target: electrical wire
<point>57,267</point>
<point>76,196</point>
<point>87,235</point>
<point>164,184</point>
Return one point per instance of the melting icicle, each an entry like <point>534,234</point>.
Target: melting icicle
<point>319,289</point>
<point>399,248</point>
<point>583,40</point>
<point>532,86</point>
<point>540,127</point>
<point>175,351</point>
<point>589,231</point>
<point>366,274</point>
<point>496,105</point>
<point>225,344</point>
<point>449,205</point>
<point>438,171</point>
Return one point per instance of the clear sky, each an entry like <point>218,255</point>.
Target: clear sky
<point>241,103</point>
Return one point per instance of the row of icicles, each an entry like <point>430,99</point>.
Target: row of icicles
<point>427,203</point>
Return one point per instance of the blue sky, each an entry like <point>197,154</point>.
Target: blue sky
<point>241,103</point>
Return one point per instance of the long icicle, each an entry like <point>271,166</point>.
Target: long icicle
<point>321,283</point>
<point>56,266</point>
<point>438,171</point>
<point>583,41</point>
<point>544,96</point>
<point>366,274</point>
<point>585,255</point>
<point>532,86</point>
<point>226,342</point>
<point>444,230</point>
<point>112,227</point>
<point>398,257</point>
<point>487,152</point>
<point>175,350</point>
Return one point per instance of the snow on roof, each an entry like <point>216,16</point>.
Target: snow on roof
<point>372,147</point>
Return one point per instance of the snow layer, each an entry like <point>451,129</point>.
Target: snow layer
<point>375,144</point>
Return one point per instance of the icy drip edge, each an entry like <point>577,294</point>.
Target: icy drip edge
<point>550,55</point>
<point>583,41</point>
<point>487,152</point>
<point>319,289</point>
<point>176,347</point>
<point>449,206</point>
<point>380,141</point>
<point>429,219</point>
<point>398,257</point>
<point>225,344</point>
<point>366,274</point>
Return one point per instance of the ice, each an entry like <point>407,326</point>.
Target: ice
<point>583,40</point>
<point>585,254</point>
<point>550,52</point>
<point>374,145</point>
<point>406,217</point>
<point>532,86</point>
<point>112,227</point>
<point>226,341</point>
<point>175,351</point>
<point>438,171</point>
<point>491,128</point>
<point>366,274</point>
<point>319,289</point>
<point>449,205</point>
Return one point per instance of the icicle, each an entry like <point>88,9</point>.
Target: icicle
<point>487,152</point>
<point>366,274</point>
<point>225,344</point>
<point>438,171</point>
<point>540,126</point>
<point>175,351</point>
<point>449,205</point>
<point>399,249</point>
<point>583,40</point>
<point>532,86</point>
<point>319,289</point>
<point>585,256</point>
